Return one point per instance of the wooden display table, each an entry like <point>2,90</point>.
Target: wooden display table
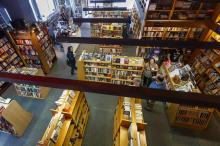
<point>186,116</point>
<point>14,119</point>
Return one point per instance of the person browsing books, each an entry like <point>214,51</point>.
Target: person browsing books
<point>150,71</point>
<point>71,61</point>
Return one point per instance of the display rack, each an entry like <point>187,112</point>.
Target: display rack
<point>187,116</point>
<point>110,69</point>
<point>110,49</point>
<point>102,30</point>
<point>13,118</point>
<point>8,57</point>
<point>129,126</point>
<point>94,67</point>
<point>36,47</point>
<point>26,90</point>
<point>180,10</point>
<point>110,14</point>
<point>67,126</point>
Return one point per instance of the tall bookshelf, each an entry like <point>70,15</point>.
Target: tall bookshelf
<point>205,64</point>
<point>180,10</point>
<point>180,115</point>
<point>102,30</point>
<point>69,120</point>
<point>129,126</point>
<point>11,122</point>
<point>110,69</point>
<point>108,30</point>
<point>9,56</point>
<point>110,14</point>
<point>36,47</point>
<point>136,23</point>
<point>176,19</point>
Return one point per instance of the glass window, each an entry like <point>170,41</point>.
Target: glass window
<point>46,8</point>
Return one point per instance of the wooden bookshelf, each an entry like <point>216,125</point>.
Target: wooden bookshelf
<point>12,122</point>
<point>36,47</point>
<point>8,57</point>
<point>136,23</point>
<point>69,121</point>
<point>180,10</point>
<point>102,30</point>
<point>110,69</point>
<point>206,68</point>
<point>129,126</point>
<point>126,69</point>
<point>186,116</point>
<point>110,14</point>
<point>31,91</point>
<point>172,33</point>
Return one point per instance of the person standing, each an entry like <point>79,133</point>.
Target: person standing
<point>159,83</point>
<point>71,60</point>
<point>150,71</point>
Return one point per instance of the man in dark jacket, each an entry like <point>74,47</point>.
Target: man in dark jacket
<point>71,61</point>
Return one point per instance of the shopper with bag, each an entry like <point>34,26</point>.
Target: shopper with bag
<point>71,61</point>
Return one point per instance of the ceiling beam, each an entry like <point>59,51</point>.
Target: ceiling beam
<point>113,89</point>
<point>141,42</point>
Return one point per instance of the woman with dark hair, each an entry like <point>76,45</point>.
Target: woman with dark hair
<point>71,61</point>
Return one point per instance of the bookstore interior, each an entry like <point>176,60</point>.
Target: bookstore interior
<point>95,44</point>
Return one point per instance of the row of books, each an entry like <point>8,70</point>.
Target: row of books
<point>136,23</point>
<point>127,109</point>
<point>96,57</point>
<point>172,32</point>
<point>180,5</point>
<point>110,14</point>
<point>110,49</point>
<point>8,55</point>
<point>132,61</point>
